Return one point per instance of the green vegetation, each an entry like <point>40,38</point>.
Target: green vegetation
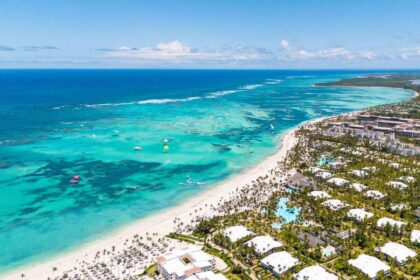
<point>408,109</point>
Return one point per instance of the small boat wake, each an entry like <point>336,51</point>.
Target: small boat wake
<point>189,182</point>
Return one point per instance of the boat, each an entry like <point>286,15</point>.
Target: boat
<point>166,140</point>
<point>137,148</point>
<point>75,179</point>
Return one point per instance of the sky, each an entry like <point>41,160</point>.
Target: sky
<point>241,34</point>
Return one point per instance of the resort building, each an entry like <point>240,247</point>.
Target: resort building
<point>358,187</point>
<point>314,170</point>
<point>279,262</point>
<point>314,272</point>
<point>370,168</point>
<point>208,275</point>
<point>397,185</point>
<point>394,165</point>
<point>319,195</point>
<point>338,182</point>
<point>237,233</point>
<point>184,263</point>
<point>324,175</point>
<point>359,214</point>
<point>298,182</point>
<point>396,251</point>
<point>337,165</point>
<point>311,239</point>
<point>408,179</point>
<point>382,222</point>
<point>360,173</point>
<point>334,204</point>
<point>374,194</point>
<point>370,266</point>
<point>396,207</point>
<point>264,245</point>
<point>415,237</point>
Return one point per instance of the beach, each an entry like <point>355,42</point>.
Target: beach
<point>160,223</point>
<point>127,195</point>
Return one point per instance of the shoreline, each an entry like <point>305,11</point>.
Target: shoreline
<point>161,222</point>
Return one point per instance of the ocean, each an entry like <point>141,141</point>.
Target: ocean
<point>193,129</point>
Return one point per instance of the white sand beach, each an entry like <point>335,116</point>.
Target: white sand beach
<point>161,223</point>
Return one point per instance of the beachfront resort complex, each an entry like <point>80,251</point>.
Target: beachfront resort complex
<point>342,203</point>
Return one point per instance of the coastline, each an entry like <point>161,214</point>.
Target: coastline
<point>160,222</point>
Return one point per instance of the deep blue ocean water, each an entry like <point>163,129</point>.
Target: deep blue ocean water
<point>55,124</point>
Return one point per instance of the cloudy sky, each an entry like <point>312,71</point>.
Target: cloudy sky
<point>210,34</point>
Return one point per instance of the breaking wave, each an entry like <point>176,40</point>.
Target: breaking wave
<point>211,95</point>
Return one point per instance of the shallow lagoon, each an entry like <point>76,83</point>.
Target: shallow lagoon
<point>57,124</point>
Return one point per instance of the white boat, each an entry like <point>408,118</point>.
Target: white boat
<point>137,148</point>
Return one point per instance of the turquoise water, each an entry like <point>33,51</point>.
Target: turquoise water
<point>325,160</point>
<point>287,214</point>
<point>55,124</point>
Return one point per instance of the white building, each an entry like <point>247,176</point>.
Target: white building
<point>314,170</point>
<point>264,244</point>
<point>338,182</point>
<point>323,175</point>
<point>334,204</point>
<point>337,165</point>
<point>395,207</point>
<point>382,222</point>
<point>370,168</point>
<point>374,194</point>
<point>360,173</point>
<point>319,195</point>
<point>208,275</point>
<point>237,233</point>
<point>314,272</point>
<point>398,252</point>
<point>397,185</point>
<point>358,187</point>
<point>407,179</point>
<point>183,263</point>
<point>359,214</point>
<point>394,165</point>
<point>370,265</point>
<point>415,236</point>
<point>279,262</point>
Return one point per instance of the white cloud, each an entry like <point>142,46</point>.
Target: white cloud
<point>291,52</point>
<point>285,44</point>
<point>177,52</point>
<point>412,53</point>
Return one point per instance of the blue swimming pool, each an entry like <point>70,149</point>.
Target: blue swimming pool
<point>287,214</point>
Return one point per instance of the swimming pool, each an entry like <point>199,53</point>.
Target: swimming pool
<point>287,214</point>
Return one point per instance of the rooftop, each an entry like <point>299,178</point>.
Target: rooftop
<point>374,194</point>
<point>280,262</point>
<point>358,187</point>
<point>359,214</point>
<point>398,252</point>
<point>384,221</point>
<point>369,265</point>
<point>208,275</point>
<point>314,272</point>
<point>264,244</point>
<point>338,181</point>
<point>237,233</point>
<point>334,204</point>
<point>415,236</point>
<point>319,195</point>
